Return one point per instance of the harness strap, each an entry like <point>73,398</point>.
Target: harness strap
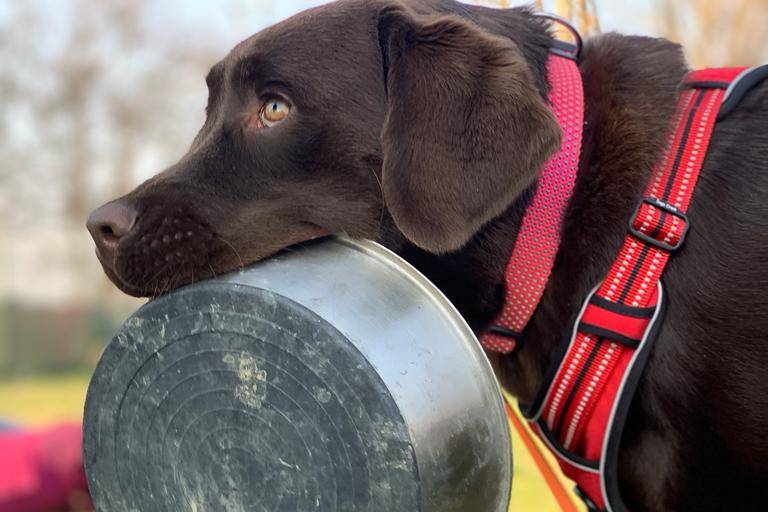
<point>538,239</point>
<point>581,416</point>
<point>580,411</point>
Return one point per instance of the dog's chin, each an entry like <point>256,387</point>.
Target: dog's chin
<point>120,283</point>
<point>112,276</point>
<point>226,261</point>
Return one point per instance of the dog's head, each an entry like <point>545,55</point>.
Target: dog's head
<point>331,121</point>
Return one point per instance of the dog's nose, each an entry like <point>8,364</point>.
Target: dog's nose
<point>109,223</point>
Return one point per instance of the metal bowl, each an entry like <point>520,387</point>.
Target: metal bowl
<point>334,377</point>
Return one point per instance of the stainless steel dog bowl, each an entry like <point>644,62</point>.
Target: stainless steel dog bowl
<point>334,377</point>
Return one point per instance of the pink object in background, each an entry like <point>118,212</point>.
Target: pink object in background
<point>42,470</point>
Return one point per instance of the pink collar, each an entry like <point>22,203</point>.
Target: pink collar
<point>538,240</point>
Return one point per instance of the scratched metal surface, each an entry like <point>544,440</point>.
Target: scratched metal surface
<point>331,378</point>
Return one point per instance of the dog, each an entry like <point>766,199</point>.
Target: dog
<point>423,125</point>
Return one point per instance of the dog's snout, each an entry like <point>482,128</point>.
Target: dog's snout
<point>109,223</point>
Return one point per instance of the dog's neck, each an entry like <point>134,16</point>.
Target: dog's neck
<point>630,86</point>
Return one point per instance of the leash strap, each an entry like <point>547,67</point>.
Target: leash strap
<point>582,414</point>
<point>537,242</point>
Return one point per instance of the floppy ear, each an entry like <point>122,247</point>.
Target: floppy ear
<point>466,130</point>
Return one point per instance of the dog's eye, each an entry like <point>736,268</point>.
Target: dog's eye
<point>273,111</point>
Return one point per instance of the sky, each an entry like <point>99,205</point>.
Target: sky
<point>629,16</point>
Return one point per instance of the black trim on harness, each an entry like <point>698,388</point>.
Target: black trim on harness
<point>529,410</point>
<point>740,88</point>
<point>556,446</point>
<point>576,385</point>
<point>503,331</point>
<point>633,275</point>
<point>564,49</point>
<point>591,506</point>
<point>706,84</point>
<point>611,455</point>
<point>602,332</point>
<point>622,309</point>
<point>699,97</point>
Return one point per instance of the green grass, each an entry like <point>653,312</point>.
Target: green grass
<point>43,400</point>
<point>38,401</point>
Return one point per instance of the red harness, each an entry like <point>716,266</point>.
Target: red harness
<point>581,409</point>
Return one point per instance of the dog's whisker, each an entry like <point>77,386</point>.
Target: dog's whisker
<point>153,280</point>
<point>172,283</point>
<point>292,248</point>
<point>242,264</point>
<point>383,203</point>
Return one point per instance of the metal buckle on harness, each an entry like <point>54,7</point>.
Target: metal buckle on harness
<point>657,203</point>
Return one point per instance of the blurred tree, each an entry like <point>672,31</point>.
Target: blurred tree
<point>716,33</point>
<point>95,92</point>
<point>582,13</point>
<point>77,71</point>
<point>73,119</point>
<point>713,32</point>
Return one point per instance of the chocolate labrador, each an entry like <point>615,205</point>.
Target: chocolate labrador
<point>423,125</point>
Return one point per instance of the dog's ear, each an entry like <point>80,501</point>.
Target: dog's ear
<point>466,130</point>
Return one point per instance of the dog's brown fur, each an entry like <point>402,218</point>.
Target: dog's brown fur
<point>444,105</point>
<point>441,185</point>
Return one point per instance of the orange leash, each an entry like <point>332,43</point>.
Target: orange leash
<point>550,477</point>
